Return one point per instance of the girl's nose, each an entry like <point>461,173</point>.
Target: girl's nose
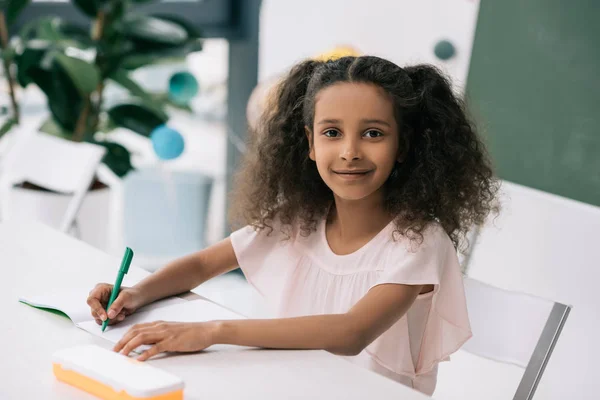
<point>350,150</point>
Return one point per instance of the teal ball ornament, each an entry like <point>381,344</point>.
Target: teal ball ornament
<point>444,50</point>
<point>183,87</point>
<point>168,144</point>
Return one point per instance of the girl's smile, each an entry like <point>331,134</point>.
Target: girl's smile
<point>352,175</point>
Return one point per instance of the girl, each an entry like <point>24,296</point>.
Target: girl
<point>361,182</point>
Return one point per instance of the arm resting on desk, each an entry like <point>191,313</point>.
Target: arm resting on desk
<point>342,334</point>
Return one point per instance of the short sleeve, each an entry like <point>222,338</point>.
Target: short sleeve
<point>266,259</point>
<point>447,328</point>
<point>413,263</point>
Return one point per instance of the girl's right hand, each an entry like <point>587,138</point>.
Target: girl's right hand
<point>128,300</point>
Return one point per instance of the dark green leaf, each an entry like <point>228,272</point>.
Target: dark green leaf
<point>68,101</point>
<point>88,7</point>
<point>31,57</point>
<point>117,158</point>
<point>167,56</point>
<point>85,76</point>
<point>154,31</point>
<point>117,10</point>
<point>14,9</point>
<point>49,29</point>
<point>7,125</point>
<point>111,54</point>
<point>138,118</point>
<point>43,79</point>
<point>64,100</point>
<point>121,77</point>
<point>192,31</point>
<point>55,30</point>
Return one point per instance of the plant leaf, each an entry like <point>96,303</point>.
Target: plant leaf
<point>64,100</point>
<point>137,117</point>
<point>55,30</point>
<point>192,31</point>
<point>165,56</point>
<point>117,158</point>
<point>49,29</point>
<point>121,77</point>
<point>88,7</point>
<point>31,57</point>
<point>14,9</point>
<point>153,32</point>
<point>85,76</point>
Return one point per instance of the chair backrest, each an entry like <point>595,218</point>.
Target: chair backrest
<point>52,163</point>
<point>514,328</point>
<point>547,245</point>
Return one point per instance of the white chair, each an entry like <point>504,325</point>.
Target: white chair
<point>515,328</point>
<point>546,245</point>
<point>51,163</point>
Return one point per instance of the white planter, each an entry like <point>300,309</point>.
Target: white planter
<point>92,222</point>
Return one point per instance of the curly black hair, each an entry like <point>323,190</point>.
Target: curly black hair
<point>446,175</point>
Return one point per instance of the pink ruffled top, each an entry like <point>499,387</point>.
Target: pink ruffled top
<point>303,276</point>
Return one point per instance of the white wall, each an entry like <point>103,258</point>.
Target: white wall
<point>403,31</point>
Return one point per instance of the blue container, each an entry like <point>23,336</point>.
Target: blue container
<point>166,212</point>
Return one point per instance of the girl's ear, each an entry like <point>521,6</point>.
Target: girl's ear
<point>311,151</point>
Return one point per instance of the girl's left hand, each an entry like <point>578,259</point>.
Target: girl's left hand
<point>166,336</point>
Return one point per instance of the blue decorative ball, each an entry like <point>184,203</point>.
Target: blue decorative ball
<point>444,50</point>
<point>183,87</point>
<point>167,142</point>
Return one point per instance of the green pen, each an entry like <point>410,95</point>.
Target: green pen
<point>125,263</point>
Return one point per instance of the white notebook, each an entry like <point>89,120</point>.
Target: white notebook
<point>73,305</point>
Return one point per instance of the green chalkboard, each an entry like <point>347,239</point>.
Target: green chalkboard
<point>534,88</point>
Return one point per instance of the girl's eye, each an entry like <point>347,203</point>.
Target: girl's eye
<point>373,133</point>
<point>331,133</point>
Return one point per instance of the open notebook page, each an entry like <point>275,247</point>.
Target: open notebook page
<point>189,311</point>
<point>73,302</point>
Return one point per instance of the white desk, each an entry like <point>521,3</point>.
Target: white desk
<point>34,258</point>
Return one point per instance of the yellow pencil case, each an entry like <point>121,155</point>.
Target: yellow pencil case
<point>112,376</point>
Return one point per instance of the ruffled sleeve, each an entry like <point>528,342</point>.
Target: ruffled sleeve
<point>433,262</point>
<point>266,258</point>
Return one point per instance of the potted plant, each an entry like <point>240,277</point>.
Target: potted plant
<point>72,65</point>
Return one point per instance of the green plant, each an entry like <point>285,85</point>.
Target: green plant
<point>72,66</point>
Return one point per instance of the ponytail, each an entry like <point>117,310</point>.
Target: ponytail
<point>446,149</point>
<point>436,103</point>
